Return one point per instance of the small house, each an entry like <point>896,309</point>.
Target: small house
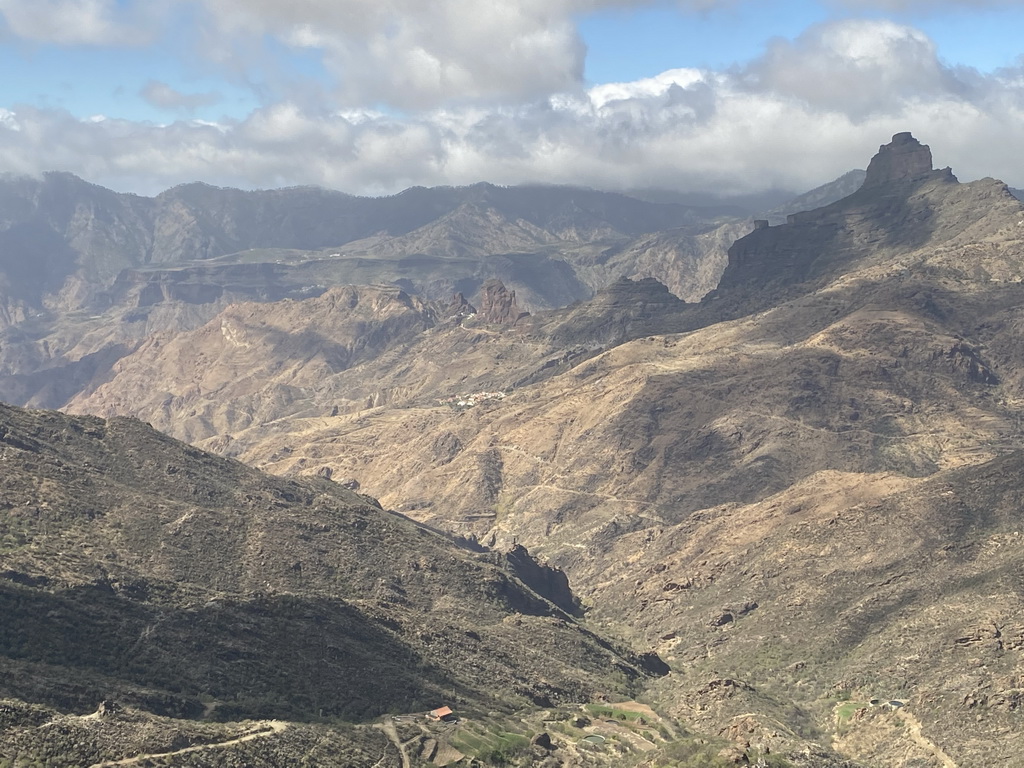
<point>442,714</point>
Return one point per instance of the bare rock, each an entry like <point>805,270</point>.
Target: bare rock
<point>446,446</point>
<point>903,159</point>
<point>546,581</point>
<point>459,307</point>
<point>725,617</point>
<point>108,708</point>
<point>498,304</point>
<point>542,740</point>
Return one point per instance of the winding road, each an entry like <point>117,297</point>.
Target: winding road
<point>268,728</point>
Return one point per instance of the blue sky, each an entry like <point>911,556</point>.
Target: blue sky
<point>664,36</point>
<point>370,97</point>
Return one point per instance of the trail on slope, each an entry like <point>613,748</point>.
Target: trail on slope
<point>388,726</point>
<point>915,727</point>
<point>272,728</point>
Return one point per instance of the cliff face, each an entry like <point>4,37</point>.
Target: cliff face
<point>498,304</point>
<point>903,206</point>
<point>901,160</point>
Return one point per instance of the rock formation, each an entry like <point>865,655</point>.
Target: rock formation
<point>903,159</point>
<point>550,583</point>
<point>458,307</point>
<point>498,304</point>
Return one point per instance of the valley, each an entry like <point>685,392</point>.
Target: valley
<point>531,452</point>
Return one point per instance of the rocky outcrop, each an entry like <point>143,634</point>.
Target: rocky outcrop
<point>903,159</point>
<point>625,309</point>
<point>498,304</point>
<point>550,583</point>
<point>903,205</point>
<point>458,307</point>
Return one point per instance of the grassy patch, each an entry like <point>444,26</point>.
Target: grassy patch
<point>844,712</point>
<point>610,712</point>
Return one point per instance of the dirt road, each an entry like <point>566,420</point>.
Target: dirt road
<point>267,728</point>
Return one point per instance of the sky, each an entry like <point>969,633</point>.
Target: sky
<point>373,96</point>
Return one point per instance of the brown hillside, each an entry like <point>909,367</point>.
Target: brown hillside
<point>138,568</point>
<point>803,488</point>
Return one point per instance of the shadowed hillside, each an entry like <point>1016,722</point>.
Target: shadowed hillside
<point>135,568</point>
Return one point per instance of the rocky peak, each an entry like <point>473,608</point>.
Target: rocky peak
<point>902,159</point>
<point>459,307</point>
<point>903,206</point>
<point>498,304</point>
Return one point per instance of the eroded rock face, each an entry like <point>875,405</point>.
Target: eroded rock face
<point>903,159</point>
<point>459,307</point>
<point>551,583</point>
<point>498,304</point>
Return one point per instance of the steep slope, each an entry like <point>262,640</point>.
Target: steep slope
<point>137,568</point>
<point>890,351</point>
<point>256,364</point>
<point>843,590</point>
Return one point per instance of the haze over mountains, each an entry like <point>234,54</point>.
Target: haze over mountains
<point>801,490</point>
<point>87,273</point>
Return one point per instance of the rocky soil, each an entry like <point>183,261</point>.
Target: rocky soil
<point>138,569</point>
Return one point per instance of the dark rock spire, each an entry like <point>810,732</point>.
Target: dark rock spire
<point>903,159</point>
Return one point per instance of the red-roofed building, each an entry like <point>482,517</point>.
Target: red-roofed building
<point>442,713</point>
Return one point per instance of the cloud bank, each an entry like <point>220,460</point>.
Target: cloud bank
<point>444,93</point>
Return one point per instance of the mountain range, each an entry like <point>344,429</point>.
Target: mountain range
<point>794,477</point>
<point>86,274</point>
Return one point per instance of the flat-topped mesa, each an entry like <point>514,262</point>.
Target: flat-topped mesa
<point>903,159</point>
<point>629,292</point>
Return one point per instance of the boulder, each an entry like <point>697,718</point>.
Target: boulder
<point>542,740</point>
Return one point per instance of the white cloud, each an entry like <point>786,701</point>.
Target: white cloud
<point>754,127</point>
<point>416,55</point>
<point>859,67</point>
<point>79,22</point>
<point>605,93</point>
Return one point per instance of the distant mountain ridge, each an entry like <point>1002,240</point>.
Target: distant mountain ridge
<point>86,274</point>
<point>107,232</point>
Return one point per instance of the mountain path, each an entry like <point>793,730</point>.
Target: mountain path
<point>918,736</point>
<point>389,729</point>
<point>273,727</point>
